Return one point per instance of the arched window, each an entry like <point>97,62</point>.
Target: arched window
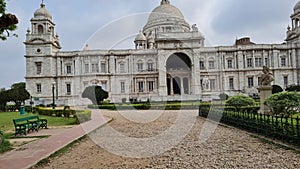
<point>40,29</point>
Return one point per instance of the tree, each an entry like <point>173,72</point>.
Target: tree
<point>292,88</point>
<point>95,93</point>
<point>18,94</point>
<point>8,22</point>
<point>3,99</point>
<point>239,101</point>
<point>284,103</point>
<point>276,89</point>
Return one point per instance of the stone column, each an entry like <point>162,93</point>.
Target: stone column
<point>171,86</point>
<point>265,92</point>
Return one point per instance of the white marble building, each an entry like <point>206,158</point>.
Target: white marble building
<point>169,62</point>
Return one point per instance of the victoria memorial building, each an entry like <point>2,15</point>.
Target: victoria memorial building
<point>169,61</point>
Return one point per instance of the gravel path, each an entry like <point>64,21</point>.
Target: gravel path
<point>226,148</point>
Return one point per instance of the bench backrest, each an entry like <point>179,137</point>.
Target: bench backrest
<point>25,119</point>
<point>33,118</point>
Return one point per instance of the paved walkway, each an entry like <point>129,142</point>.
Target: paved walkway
<point>30,154</point>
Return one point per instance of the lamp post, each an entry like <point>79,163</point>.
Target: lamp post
<point>53,97</point>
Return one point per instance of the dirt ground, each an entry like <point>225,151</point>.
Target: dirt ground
<point>226,148</point>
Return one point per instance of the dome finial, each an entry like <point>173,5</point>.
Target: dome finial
<point>165,2</point>
<point>42,4</point>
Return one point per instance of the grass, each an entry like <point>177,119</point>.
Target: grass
<point>6,120</point>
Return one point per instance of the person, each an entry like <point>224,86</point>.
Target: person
<point>267,77</point>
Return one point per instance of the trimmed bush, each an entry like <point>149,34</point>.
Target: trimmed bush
<point>284,103</point>
<point>83,116</point>
<point>56,112</point>
<point>240,101</point>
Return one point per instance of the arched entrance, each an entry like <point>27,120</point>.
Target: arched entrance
<point>178,74</point>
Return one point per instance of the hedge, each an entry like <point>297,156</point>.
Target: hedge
<point>81,115</point>
<point>155,106</point>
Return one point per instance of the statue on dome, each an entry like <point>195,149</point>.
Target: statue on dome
<point>165,2</point>
<point>194,28</point>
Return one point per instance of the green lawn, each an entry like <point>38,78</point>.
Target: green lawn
<point>6,120</point>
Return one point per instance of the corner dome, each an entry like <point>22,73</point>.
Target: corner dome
<point>297,7</point>
<point>140,37</point>
<point>165,14</point>
<point>42,13</point>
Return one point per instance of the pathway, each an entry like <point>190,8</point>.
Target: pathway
<point>30,154</point>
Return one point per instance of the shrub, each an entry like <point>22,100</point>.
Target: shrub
<point>95,93</point>
<point>83,116</point>
<point>4,144</point>
<point>56,112</point>
<point>292,88</point>
<point>124,100</point>
<point>276,89</point>
<point>284,103</point>
<point>239,101</point>
<point>223,96</point>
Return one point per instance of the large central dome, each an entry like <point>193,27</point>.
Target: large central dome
<point>166,15</point>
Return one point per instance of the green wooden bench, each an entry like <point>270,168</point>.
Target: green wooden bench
<point>27,124</point>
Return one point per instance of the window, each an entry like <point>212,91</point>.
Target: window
<point>38,88</point>
<point>285,81</point>
<point>122,84</point>
<point>283,61</point>
<point>231,84</point>
<point>258,62</point>
<point>150,67</point>
<point>38,67</point>
<point>69,69</point>
<point>122,68</point>
<point>86,68</point>
<point>229,64</point>
<point>250,82</point>
<point>104,85</point>
<point>249,62</point>
<point>212,84</point>
<point>95,68</point>
<point>202,65</point>
<point>140,67</point>
<point>85,84</point>
<point>150,86</point>
<point>40,29</point>
<point>103,67</point>
<point>141,86</point>
<point>211,64</point>
<point>259,81</point>
<point>266,62</point>
<point>68,89</point>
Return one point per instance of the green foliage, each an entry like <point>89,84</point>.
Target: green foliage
<point>95,93</point>
<point>83,116</point>
<point>6,120</point>
<point>3,99</point>
<point>284,103</point>
<point>7,23</point>
<point>54,112</point>
<point>292,88</point>
<point>2,6</point>
<point>276,89</point>
<point>18,94</point>
<point>239,101</point>
<point>4,144</point>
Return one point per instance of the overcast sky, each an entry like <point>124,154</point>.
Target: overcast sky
<point>79,21</point>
